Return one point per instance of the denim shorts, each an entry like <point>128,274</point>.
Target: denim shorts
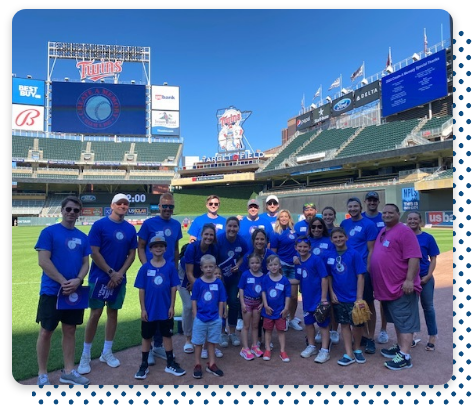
<point>206,331</point>
<point>289,271</point>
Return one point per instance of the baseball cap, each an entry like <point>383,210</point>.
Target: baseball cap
<point>372,194</point>
<point>157,239</point>
<point>308,205</point>
<point>354,198</point>
<point>119,197</point>
<point>253,202</point>
<point>272,198</point>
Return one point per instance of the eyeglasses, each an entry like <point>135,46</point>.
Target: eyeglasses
<point>122,203</point>
<point>316,227</point>
<point>253,206</point>
<point>75,210</point>
<point>272,203</point>
<point>167,207</point>
<point>213,204</point>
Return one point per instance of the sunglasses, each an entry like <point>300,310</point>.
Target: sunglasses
<point>214,204</point>
<point>253,206</point>
<point>69,209</point>
<point>272,203</point>
<point>339,265</point>
<point>302,240</point>
<point>167,207</point>
<point>316,227</point>
<point>308,205</point>
<point>122,203</point>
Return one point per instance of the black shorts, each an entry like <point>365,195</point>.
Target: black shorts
<point>368,289</point>
<point>342,312</point>
<point>50,317</point>
<point>166,328</point>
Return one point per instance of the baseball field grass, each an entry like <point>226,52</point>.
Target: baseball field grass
<point>26,276</point>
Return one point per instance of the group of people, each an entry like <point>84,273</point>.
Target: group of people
<point>248,269</point>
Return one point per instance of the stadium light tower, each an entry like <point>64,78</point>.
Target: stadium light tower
<point>328,99</point>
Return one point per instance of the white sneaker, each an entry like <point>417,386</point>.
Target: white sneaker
<point>218,353</point>
<point>84,364</point>
<point>239,325</point>
<point>322,357</point>
<point>383,337</point>
<point>109,359</point>
<point>294,325</point>
<point>224,340</point>
<point>204,354</point>
<point>318,337</point>
<point>234,340</point>
<point>334,337</point>
<point>309,351</point>
<point>297,319</point>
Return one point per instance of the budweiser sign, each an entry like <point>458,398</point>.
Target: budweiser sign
<point>95,71</point>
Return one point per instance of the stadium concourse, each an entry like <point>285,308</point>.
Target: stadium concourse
<point>429,368</point>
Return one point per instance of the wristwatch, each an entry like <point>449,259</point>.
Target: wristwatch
<point>110,271</point>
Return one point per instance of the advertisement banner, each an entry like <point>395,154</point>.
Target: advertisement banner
<point>366,94</point>
<point>321,114</point>
<point>415,84</point>
<point>98,108</point>
<point>410,199</point>
<point>164,98</point>
<point>28,92</point>
<point>27,117</point>
<point>304,121</point>
<point>165,123</point>
<point>131,211</point>
<point>230,129</point>
<point>342,105</point>
<point>439,218</point>
<point>92,212</point>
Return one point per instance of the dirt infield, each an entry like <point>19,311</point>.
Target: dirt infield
<point>300,371</point>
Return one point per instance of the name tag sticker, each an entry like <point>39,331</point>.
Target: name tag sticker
<point>213,287</point>
<point>380,224</point>
<point>77,240</point>
<point>303,228</point>
<point>386,243</point>
<point>330,260</point>
<point>358,228</point>
<point>250,280</point>
<point>151,273</point>
<point>279,286</point>
<point>323,246</point>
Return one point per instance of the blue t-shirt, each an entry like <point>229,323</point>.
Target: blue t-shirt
<point>68,248</point>
<point>377,220</point>
<point>208,296</point>
<point>360,232</point>
<point>192,255</point>
<point>252,286</point>
<point>157,283</point>
<point>428,247</point>
<point>115,240</point>
<point>247,226</point>
<point>344,270</point>
<point>157,226</point>
<point>264,267</point>
<point>320,245</point>
<point>284,244</point>
<point>276,293</point>
<point>272,219</point>
<point>200,221</point>
<point>302,227</point>
<point>228,255</point>
<point>310,273</point>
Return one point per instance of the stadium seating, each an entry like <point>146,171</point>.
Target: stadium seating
<point>104,174</point>
<point>62,150</point>
<point>27,204</point>
<point>435,123</point>
<point>110,151</point>
<point>156,152</point>
<point>327,140</point>
<point>21,145</point>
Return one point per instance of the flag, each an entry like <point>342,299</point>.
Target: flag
<point>79,299</point>
<point>357,73</point>
<point>317,93</point>
<point>335,84</point>
<point>425,43</point>
<point>389,61</point>
<point>103,293</point>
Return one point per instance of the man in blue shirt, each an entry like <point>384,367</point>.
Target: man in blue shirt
<point>253,221</point>
<point>212,216</point>
<point>272,209</point>
<point>309,210</point>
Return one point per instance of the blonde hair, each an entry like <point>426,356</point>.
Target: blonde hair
<point>208,259</point>
<point>277,226</point>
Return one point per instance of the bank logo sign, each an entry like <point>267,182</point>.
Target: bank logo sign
<point>165,98</point>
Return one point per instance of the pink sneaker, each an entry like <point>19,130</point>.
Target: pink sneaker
<point>246,354</point>
<point>284,357</point>
<point>255,350</point>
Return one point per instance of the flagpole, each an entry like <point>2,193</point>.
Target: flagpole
<point>341,85</point>
<point>321,99</point>
<point>364,70</point>
<point>441,34</point>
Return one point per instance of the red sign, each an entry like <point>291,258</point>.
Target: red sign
<point>100,70</point>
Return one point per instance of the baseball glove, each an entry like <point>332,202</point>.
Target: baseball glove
<point>360,313</point>
<point>322,311</point>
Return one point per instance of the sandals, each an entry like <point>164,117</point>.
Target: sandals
<point>430,347</point>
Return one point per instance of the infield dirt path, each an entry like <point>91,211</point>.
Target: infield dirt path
<point>428,367</point>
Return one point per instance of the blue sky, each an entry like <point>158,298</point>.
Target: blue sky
<point>263,61</point>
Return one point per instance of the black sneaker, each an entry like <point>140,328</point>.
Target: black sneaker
<point>197,372</point>
<point>359,357</point>
<point>214,370</point>
<point>175,369</point>
<point>398,362</point>
<point>363,341</point>
<point>370,346</point>
<point>391,352</point>
<point>142,372</point>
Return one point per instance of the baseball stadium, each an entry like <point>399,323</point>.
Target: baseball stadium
<point>95,137</point>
